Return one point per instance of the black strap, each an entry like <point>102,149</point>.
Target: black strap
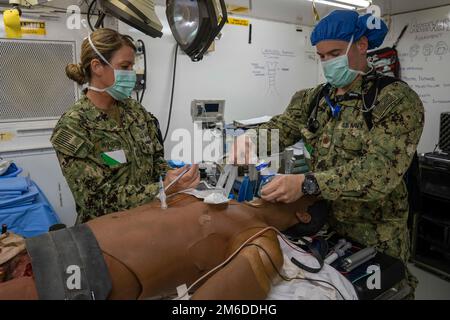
<point>369,100</point>
<point>400,37</point>
<point>316,100</point>
<point>58,256</point>
<point>315,253</point>
<point>381,82</point>
<point>412,180</point>
<point>159,134</point>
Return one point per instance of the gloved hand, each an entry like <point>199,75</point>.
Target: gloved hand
<point>284,188</point>
<point>189,180</point>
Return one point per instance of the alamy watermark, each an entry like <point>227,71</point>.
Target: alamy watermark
<point>373,282</point>
<point>74,20</point>
<point>374,21</point>
<point>225,146</point>
<point>73,281</point>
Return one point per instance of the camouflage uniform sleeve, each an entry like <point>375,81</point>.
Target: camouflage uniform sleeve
<point>93,191</point>
<point>160,164</point>
<point>292,121</point>
<point>91,186</point>
<point>398,125</point>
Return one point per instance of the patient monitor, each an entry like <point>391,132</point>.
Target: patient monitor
<point>209,112</point>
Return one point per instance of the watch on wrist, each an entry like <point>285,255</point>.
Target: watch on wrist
<point>310,186</point>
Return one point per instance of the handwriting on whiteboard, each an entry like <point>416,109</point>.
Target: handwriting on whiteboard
<point>273,64</point>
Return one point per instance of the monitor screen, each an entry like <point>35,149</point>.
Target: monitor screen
<point>211,107</point>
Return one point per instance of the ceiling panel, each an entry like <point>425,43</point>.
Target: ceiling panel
<point>300,11</point>
<point>297,11</point>
<point>401,6</point>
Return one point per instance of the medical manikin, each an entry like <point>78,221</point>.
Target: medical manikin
<point>149,252</point>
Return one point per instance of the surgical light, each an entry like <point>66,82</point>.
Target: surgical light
<point>195,24</point>
<point>140,14</point>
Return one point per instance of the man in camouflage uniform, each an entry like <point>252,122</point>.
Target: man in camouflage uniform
<point>361,171</point>
<point>358,169</point>
<point>81,138</point>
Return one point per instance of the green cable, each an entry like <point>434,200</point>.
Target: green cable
<point>363,276</point>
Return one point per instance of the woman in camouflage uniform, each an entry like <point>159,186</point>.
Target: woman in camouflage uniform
<point>107,143</point>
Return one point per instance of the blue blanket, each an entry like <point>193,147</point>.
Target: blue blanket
<point>13,171</point>
<point>29,220</point>
<point>14,184</point>
<point>24,208</point>
<point>22,199</point>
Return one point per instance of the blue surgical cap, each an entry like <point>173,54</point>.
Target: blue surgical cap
<point>343,24</point>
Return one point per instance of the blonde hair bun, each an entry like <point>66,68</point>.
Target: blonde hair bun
<point>76,73</point>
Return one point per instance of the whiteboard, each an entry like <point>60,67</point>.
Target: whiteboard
<point>255,79</point>
<point>425,64</point>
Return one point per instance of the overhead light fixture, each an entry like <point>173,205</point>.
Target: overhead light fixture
<point>357,3</point>
<point>195,24</point>
<point>140,14</point>
<point>27,3</point>
<point>334,4</point>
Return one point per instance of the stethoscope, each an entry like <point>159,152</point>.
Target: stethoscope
<point>335,108</point>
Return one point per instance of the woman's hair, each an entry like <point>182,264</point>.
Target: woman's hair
<point>107,42</point>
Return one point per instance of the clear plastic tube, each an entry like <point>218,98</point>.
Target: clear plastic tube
<point>162,194</point>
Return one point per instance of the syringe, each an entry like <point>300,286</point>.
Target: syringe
<point>162,194</point>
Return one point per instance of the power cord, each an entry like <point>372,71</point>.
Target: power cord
<point>362,277</point>
<point>246,243</point>
<point>225,262</point>
<point>90,9</point>
<point>173,89</point>
<point>287,279</point>
<point>145,70</point>
<point>58,9</point>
